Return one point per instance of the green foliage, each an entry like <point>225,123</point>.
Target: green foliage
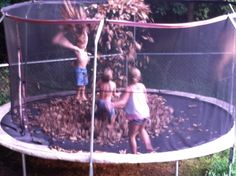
<point>202,12</point>
<point>212,165</point>
<point>4,3</point>
<point>179,8</point>
<point>4,88</point>
<point>219,165</point>
<point>231,0</point>
<point>195,167</point>
<point>172,12</point>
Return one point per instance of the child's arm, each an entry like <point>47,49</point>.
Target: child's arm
<point>61,40</point>
<point>115,93</point>
<point>122,102</point>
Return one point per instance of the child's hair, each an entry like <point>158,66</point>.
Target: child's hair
<point>134,75</point>
<point>81,38</point>
<point>107,75</point>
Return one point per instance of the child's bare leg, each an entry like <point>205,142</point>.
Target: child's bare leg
<point>78,93</point>
<point>111,111</point>
<point>133,131</point>
<point>146,139</point>
<point>113,119</point>
<point>83,96</point>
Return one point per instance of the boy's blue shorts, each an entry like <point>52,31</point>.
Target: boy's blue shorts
<point>104,108</point>
<point>81,76</point>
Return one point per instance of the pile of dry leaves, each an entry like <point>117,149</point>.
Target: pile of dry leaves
<point>66,118</point>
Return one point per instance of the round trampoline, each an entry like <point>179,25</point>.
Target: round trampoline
<point>188,69</point>
<point>191,132</point>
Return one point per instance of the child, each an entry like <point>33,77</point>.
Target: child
<point>107,90</point>
<point>137,111</point>
<point>82,59</point>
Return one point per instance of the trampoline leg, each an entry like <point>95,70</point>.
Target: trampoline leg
<point>91,169</point>
<point>23,164</point>
<point>177,168</point>
<point>231,160</point>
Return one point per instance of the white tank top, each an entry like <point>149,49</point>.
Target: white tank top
<point>137,103</point>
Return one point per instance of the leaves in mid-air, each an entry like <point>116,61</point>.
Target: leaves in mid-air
<point>115,38</point>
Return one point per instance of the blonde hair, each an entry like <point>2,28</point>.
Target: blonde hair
<point>134,75</point>
<point>82,39</point>
<point>107,75</point>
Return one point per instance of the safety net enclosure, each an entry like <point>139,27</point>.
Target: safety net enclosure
<point>188,69</point>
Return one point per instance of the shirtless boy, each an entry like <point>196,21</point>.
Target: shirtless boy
<point>107,90</point>
<point>82,59</point>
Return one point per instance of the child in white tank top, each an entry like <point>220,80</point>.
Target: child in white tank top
<point>137,111</point>
<point>137,107</point>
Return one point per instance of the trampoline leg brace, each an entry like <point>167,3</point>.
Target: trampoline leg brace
<point>231,160</point>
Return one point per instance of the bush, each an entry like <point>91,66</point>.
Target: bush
<point>219,165</point>
<point>195,167</point>
<point>4,88</point>
<point>212,165</point>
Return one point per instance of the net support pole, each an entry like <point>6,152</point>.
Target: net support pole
<point>2,17</point>
<point>177,168</point>
<point>23,165</point>
<point>232,149</point>
<point>97,37</point>
<point>21,94</point>
<point>19,78</point>
<point>231,7</point>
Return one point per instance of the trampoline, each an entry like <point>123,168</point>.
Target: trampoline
<point>189,134</point>
<point>188,69</point>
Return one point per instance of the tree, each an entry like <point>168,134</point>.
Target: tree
<point>159,11</point>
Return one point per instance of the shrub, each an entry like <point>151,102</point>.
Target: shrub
<point>212,165</point>
<point>219,165</point>
<point>4,88</point>
<point>195,167</point>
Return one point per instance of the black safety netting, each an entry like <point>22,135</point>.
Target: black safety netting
<point>197,60</point>
<point>188,69</point>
